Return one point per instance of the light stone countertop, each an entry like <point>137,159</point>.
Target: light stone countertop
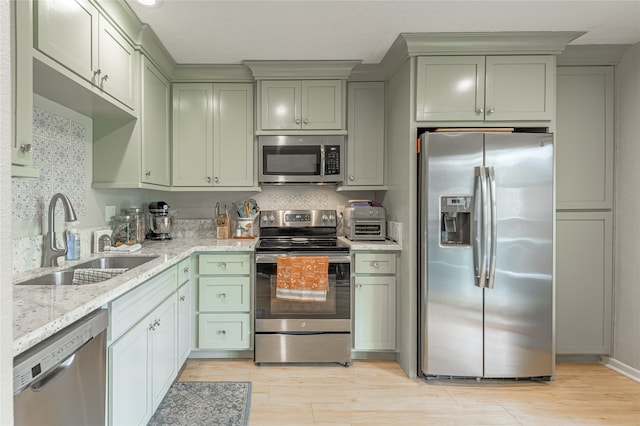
<point>39,311</point>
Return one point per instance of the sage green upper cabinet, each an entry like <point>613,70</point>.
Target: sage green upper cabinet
<point>485,88</point>
<point>155,112</point>
<point>301,104</point>
<point>76,35</point>
<point>366,134</point>
<point>213,135</point>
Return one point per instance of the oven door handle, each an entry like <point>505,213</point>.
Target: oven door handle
<point>273,258</point>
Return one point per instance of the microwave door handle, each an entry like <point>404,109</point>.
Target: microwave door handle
<point>322,160</point>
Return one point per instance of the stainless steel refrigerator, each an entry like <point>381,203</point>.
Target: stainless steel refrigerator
<point>486,255</point>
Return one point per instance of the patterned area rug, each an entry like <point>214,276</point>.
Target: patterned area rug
<point>205,403</point>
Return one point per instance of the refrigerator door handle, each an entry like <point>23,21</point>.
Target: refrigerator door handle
<point>494,231</point>
<point>480,221</point>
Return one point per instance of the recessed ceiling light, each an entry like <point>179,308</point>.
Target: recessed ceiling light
<point>150,3</point>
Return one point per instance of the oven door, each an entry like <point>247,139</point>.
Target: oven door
<point>278,315</point>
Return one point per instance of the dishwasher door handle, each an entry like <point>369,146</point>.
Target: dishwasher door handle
<point>42,382</point>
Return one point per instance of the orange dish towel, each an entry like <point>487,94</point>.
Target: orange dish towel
<point>302,278</point>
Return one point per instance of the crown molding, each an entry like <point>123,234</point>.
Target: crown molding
<point>592,54</point>
<point>285,70</point>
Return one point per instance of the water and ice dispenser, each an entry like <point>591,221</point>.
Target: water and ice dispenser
<point>455,220</point>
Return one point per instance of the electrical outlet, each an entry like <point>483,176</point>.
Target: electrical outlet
<point>394,231</point>
<point>109,212</point>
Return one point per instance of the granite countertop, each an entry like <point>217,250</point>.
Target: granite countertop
<point>40,311</point>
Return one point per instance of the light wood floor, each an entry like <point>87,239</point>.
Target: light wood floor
<point>379,393</point>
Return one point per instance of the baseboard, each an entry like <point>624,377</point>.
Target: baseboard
<point>620,367</point>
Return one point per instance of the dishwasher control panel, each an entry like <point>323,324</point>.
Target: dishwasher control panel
<point>54,351</point>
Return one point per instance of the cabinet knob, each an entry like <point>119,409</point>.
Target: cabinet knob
<point>222,295</point>
<point>148,173</point>
<point>222,332</point>
<point>216,180</point>
<point>208,179</point>
<point>186,270</point>
<point>480,110</point>
<point>25,147</point>
<point>306,121</point>
<point>352,177</point>
<point>297,121</point>
<point>182,298</point>
<point>375,264</point>
<point>105,78</point>
<point>223,265</point>
<point>491,110</point>
<point>97,72</point>
<point>359,285</point>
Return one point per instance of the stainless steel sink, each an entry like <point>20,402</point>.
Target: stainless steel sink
<point>108,262</point>
<point>65,277</point>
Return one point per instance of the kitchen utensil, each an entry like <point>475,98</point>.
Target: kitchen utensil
<point>160,221</point>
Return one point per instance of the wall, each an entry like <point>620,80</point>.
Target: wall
<point>626,343</point>
<point>6,313</point>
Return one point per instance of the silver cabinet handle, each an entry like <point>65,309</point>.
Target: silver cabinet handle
<point>182,298</point>
<point>352,177</point>
<point>375,264</point>
<point>208,179</point>
<point>97,72</point>
<point>222,332</point>
<point>491,110</point>
<point>306,121</point>
<point>105,78</point>
<point>359,285</point>
<point>148,173</point>
<point>25,147</point>
<point>186,270</point>
<point>222,295</point>
<point>297,121</point>
<point>223,265</point>
<point>480,110</point>
<point>216,180</point>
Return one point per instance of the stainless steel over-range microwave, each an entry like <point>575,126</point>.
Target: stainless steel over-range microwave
<point>301,159</point>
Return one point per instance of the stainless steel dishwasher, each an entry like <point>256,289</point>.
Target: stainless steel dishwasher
<point>62,380</point>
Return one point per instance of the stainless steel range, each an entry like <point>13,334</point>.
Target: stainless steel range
<point>303,289</point>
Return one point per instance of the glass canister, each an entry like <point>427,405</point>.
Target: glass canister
<point>140,219</point>
<point>124,230</point>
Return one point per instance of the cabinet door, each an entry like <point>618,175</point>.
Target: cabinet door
<point>185,313</point>
<point>321,104</point>
<point>163,355</point>
<point>129,401</point>
<point>155,126</point>
<point>192,134</point>
<point>233,134</point>
<point>67,31</point>
<point>584,283</point>
<point>584,138</point>
<point>365,143</point>
<point>280,105</point>
<point>375,313</point>
<point>450,88</point>
<point>519,88</point>
<point>116,64</point>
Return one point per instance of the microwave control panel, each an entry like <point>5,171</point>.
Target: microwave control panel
<point>332,160</point>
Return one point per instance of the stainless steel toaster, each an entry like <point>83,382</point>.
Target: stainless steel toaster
<point>365,223</point>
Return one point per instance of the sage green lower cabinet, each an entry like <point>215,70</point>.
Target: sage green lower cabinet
<point>185,310</point>
<point>142,351</point>
<point>374,316</point>
<point>584,283</point>
<point>224,301</point>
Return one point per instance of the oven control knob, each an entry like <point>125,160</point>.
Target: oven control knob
<point>325,218</point>
<point>272,219</point>
<point>303,324</point>
<point>332,217</point>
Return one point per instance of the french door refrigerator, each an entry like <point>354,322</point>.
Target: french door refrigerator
<point>486,255</point>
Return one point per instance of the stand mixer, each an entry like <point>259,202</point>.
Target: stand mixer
<point>160,221</point>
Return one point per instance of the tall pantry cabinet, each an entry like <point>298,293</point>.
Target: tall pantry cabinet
<point>584,197</point>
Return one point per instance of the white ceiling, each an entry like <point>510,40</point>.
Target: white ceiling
<point>228,32</point>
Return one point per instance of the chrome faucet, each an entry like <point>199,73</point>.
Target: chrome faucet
<point>50,252</point>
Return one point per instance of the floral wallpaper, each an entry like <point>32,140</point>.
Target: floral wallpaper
<point>59,152</point>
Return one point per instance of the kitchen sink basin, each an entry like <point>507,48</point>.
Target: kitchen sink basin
<point>65,277</point>
<point>108,262</point>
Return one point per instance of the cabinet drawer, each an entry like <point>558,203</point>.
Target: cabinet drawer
<point>130,308</point>
<point>224,331</point>
<point>184,270</point>
<point>375,263</point>
<point>229,264</point>
<point>224,294</point>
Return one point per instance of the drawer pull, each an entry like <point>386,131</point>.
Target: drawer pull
<point>222,295</point>
<point>182,298</point>
<point>375,264</point>
<point>359,285</point>
<point>223,265</point>
<point>186,270</point>
<point>222,332</point>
